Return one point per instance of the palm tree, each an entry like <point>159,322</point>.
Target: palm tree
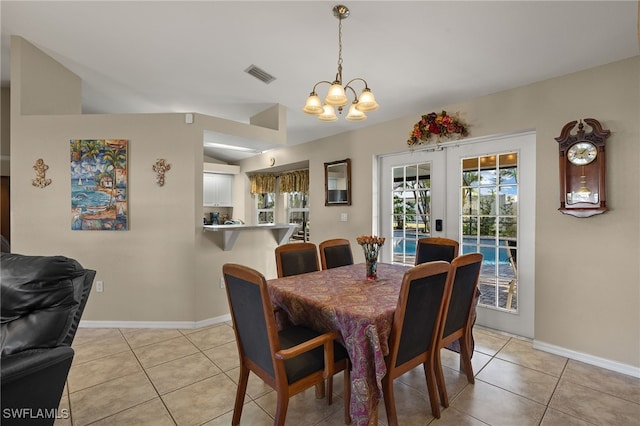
<point>90,151</point>
<point>76,149</point>
<point>116,159</point>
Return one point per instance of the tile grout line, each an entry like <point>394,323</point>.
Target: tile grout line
<point>148,378</point>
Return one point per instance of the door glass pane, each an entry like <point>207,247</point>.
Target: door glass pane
<point>411,209</point>
<point>469,172</point>
<point>470,200</point>
<point>488,200</point>
<point>489,224</point>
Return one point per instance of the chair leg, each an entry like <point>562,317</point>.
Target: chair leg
<point>281,409</point>
<point>389,401</point>
<point>465,357</point>
<point>240,393</point>
<point>442,387</point>
<point>320,390</point>
<point>329,391</point>
<point>347,395</point>
<point>432,387</point>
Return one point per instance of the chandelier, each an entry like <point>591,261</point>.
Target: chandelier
<point>337,94</point>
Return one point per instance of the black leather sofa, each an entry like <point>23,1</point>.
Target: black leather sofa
<point>41,299</point>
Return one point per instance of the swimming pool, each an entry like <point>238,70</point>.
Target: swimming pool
<point>488,251</point>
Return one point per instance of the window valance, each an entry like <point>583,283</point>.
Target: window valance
<point>295,181</point>
<point>263,183</point>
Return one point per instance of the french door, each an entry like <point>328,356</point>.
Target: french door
<point>481,193</point>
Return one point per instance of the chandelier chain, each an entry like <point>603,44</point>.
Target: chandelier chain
<point>339,77</point>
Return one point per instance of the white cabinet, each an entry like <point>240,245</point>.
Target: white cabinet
<point>217,190</point>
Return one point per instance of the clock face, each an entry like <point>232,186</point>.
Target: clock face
<point>582,153</point>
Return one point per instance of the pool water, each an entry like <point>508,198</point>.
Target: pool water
<point>488,252</point>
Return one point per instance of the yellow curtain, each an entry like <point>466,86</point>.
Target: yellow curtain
<point>261,184</point>
<point>297,181</point>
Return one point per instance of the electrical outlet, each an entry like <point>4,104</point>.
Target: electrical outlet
<point>99,286</point>
<point>344,217</point>
<point>221,282</point>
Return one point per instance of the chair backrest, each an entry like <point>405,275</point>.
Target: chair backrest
<point>465,273</point>
<point>435,248</point>
<point>296,258</point>
<point>335,253</point>
<point>252,315</point>
<point>416,321</point>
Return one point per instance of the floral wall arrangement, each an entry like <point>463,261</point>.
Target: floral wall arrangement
<point>437,126</point>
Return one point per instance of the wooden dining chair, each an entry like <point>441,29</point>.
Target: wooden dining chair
<point>289,360</point>
<point>459,317</point>
<point>436,248</point>
<point>335,253</point>
<point>414,333</point>
<point>296,258</point>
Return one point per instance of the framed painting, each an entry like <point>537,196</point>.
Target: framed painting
<point>99,191</point>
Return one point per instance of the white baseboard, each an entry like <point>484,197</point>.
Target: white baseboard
<point>155,324</point>
<point>619,367</point>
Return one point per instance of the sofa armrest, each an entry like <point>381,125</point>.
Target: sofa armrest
<point>32,385</point>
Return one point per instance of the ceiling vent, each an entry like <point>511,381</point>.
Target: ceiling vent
<point>260,74</point>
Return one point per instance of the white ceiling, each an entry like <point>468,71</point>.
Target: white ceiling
<point>181,56</point>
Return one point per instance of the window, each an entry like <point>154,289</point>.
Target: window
<point>298,212</point>
<point>266,207</point>
<point>291,190</point>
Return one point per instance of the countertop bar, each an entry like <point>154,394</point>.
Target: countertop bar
<point>281,232</point>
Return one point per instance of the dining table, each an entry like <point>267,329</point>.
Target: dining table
<point>361,310</point>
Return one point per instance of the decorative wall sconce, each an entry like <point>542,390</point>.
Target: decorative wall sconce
<point>161,167</point>
<point>41,169</point>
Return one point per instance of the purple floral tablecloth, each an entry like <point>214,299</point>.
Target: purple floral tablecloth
<point>362,311</point>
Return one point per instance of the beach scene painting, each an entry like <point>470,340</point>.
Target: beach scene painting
<point>99,184</point>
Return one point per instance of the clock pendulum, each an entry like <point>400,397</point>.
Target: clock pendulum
<point>583,193</point>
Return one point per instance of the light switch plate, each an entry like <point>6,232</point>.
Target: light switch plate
<point>344,217</point>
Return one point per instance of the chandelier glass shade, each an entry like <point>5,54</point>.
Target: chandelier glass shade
<point>337,93</point>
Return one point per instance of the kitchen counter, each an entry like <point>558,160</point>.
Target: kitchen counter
<point>281,232</point>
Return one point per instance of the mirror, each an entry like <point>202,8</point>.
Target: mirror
<point>337,183</point>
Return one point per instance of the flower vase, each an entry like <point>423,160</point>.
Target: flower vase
<point>372,269</point>
<point>371,246</point>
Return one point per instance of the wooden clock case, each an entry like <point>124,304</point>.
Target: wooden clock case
<point>582,187</point>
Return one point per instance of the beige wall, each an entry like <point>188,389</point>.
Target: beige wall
<point>44,86</point>
<point>587,273</point>
<point>166,269</point>
<point>5,126</point>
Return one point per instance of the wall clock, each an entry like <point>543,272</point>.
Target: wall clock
<point>582,169</point>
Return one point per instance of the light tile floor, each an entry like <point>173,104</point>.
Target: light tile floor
<point>188,377</point>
